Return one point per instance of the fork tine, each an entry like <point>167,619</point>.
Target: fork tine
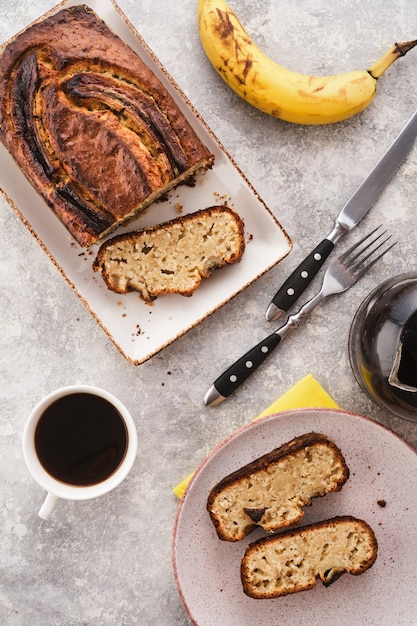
<point>356,264</point>
<point>371,263</point>
<point>368,247</point>
<point>344,256</point>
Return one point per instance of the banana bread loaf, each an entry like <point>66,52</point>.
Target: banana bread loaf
<point>172,257</point>
<point>270,491</point>
<point>291,561</point>
<point>90,125</point>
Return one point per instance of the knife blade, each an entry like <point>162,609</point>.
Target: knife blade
<point>350,215</point>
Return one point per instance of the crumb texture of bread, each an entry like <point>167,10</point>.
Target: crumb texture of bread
<point>173,257</point>
<point>271,491</point>
<point>292,561</point>
<point>93,129</point>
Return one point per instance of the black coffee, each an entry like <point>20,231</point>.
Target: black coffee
<point>81,439</point>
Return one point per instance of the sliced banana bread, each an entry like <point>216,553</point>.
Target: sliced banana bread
<point>270,491</point>
<point>291,561</point>
<point>172,257</point>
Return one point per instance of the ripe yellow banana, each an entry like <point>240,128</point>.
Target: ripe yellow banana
<point>277,90</point>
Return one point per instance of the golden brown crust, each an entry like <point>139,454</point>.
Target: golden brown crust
<point>91,126</point>
<point>172,257</point>
<point>292,561</point>
<point>270,491</point>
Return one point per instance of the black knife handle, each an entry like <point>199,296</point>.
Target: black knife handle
<point>302,276</point>
<point>240,371</point>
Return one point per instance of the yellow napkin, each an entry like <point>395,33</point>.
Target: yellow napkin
<point>306,394</point>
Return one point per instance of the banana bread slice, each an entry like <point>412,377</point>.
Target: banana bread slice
<point>172,257</point>
<point>270,491</point>
<point>291,561</point>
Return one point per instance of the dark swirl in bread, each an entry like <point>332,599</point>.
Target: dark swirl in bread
<point>90,125</point>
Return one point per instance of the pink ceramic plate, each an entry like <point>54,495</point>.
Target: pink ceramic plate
<point>381,489</point>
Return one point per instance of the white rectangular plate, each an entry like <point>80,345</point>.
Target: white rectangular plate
<point>137,329</point>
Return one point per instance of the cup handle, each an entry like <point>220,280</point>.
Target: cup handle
<point>48,506</point>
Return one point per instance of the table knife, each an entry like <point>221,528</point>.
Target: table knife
<point>351,214</point>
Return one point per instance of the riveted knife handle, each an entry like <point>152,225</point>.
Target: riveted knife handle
<point>299,280</point>
<point>240,371</point>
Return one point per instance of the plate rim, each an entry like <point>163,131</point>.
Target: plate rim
<point>285,413</point>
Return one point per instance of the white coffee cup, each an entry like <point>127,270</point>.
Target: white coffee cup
<point>57,487</point>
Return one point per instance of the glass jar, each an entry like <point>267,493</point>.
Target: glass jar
<point>383,346</point>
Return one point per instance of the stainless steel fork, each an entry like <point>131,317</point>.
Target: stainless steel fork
<point>343,272</point>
